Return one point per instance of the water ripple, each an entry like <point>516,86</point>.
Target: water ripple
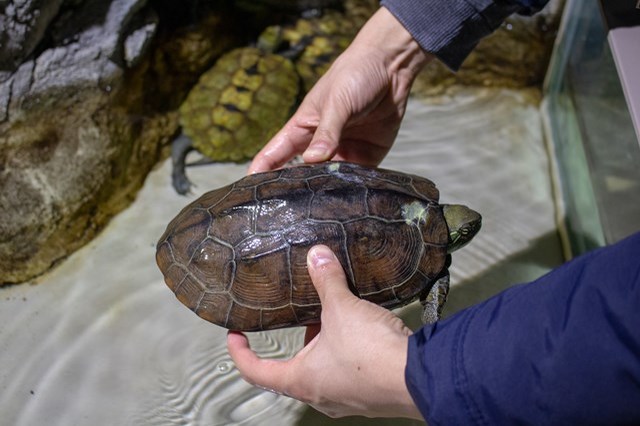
<point>199,384</point>
<point>102,341</point>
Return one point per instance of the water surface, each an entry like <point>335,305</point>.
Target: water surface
<point>100,340</point>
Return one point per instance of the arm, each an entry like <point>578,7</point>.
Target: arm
<point>564,349</point>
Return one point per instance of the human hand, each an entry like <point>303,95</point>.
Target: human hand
<point>354,111</point>
<point>352,365</point>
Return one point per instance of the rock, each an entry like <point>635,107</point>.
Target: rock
<point>139,40</point>
<point>85,117</point>
<point>22,26</point>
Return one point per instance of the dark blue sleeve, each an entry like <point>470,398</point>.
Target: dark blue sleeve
<point>564,349</point>
<point>450,29</point>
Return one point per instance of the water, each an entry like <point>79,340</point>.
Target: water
<point>101,340</point>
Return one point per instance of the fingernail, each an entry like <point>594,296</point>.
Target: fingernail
<point>316,152</point>
<point>320,255</point>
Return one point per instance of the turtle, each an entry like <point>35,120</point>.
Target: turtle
<point>324,37</point>
<point>236,256</point>
<point>237,105</point>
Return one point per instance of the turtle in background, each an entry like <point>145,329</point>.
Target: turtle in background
<point>237,105</point>
<point>325,37</point>
<point>249,94</point>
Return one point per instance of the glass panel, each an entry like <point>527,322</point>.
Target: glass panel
<point>593,135</point>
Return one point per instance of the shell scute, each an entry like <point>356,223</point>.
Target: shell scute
<point>282,209</point>
<point>337,200</point>
<point>187,234</point>
<point>241,317</point>
<point>257,179</point>
<point>189,291</point>
<point>277,317</point>
<point>428,265</point>
<point>214,307</point>
<point>237,199</point>
<point>174,275</point>
<point>425,188</point>
<point>375,246</point>
<point>212,198</point>
<point>232,225</point>
<point>387,203</point>
<point>210,264</point>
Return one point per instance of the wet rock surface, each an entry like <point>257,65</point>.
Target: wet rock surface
<point>85,110</point>
<point>22,27</point>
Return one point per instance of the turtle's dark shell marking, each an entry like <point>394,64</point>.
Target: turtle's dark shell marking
<point>237,255</point>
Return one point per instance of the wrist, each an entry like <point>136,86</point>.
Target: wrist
<point>390,391</point>
<point>386,36</point>
<point>406,406</point>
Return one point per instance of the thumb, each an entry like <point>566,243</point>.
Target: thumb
<point>327,275</point>
<point>324,144</point>
<point>269,374</point>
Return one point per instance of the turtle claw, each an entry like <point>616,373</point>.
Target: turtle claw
<point>181,183</point>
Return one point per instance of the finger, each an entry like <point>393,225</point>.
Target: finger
<point>290,141</point>
<point>265,373</point>
<point>327,274</point>
<point>326,138</point>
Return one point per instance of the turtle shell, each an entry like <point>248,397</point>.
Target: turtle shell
<point>239,104</point>
<point>325,37</point>
<point>237,255</point>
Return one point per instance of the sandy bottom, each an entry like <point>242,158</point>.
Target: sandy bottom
<point>101,340</point>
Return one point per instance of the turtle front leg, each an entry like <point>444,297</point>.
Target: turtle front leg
<point>433,300</point>
<point>180,147</point>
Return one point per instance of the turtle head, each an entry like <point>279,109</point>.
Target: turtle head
<point>270,39</point>
<point>463,224</point>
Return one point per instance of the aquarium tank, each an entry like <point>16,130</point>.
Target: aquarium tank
<point>592,109</point>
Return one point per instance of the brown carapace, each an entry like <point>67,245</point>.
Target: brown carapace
<point>237,255</point>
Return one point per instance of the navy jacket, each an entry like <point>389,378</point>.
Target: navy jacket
<point>450,29</point>
<point>564,349</point>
